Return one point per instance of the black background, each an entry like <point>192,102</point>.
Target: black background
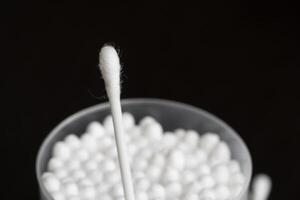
<point>238,60</point>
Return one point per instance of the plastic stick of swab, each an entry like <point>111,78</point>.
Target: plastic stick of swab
<point>110,68</point>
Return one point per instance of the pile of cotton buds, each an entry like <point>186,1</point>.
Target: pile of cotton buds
<point>179,165</point>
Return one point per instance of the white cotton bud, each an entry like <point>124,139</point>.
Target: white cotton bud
<point>179,133</point>
<point>61,150</point>
<point>112,177</point>
<point>81,154</point>
<point>153,172</point>
<point>157,160</point>
<point>145,153</point>
<point>128,120</point>
<point>117,190</point>
<point>58,196</point>
<point>108,165</point>
<point>142,184</point>
<point>108,124</point>
<point>153,131</point>
<point>139,164</point>
<point>192,196</point>
<point>95,129</point>
<point>105,142</point>
<point>55,164</point>
<point>176,159</point>
<point>168,140</point>
<point>157,191</point>
<point>61,173</point>
<point>235,190</point>
<point>208,142</point>
<point>85,182</point>
<point>141,196</point>
<point>70,189</point>
<point>87,192</point>
<point>207,194</point>
<point>236,178</point>
<point>170,175</point>
<point>146,121</point>
<point>72,165</point>
<point>207,181</point>
<point>72,141</point>
<point>78,174</point>
<point>222,192</point>
<point>203,169</point>
<point>102,189</point>
<point>191,138</point>
<point>194,187</point>
<point>89,143</point>
<point>200,156</point>
<point>96,176</point>
<point>51,183</point>
<point>220,154</point>
<point>233,167</point>
<point>98,157</point>
<point>173,189</point>
<point>221,174</point>
<point>90,165</point>
<point>188,176</point>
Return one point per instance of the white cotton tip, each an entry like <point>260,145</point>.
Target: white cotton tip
<point>95,129</point>
<point>170,174</point>
<point>139,163</point>
<point>58,196</point>
<point>78,174</point>
<point>55,164</point>
<point>192,196</point>
<point>180,133</point>
<point>191,138</point>
<point>142,184</point>
<point>222,192</point>
<point>202,169</point>
<point>61,150</point>
<point>51,183</point>
<point>173,190</point>
<point>61,173</point>
<point>221,174</point>
<point>82,155</point>
<point>145,153</point>
<point>117,190</point>
<point>110,67</point>
<point>141,195</point>
<point>90,165</point>
<point>220,154</point>
<point>72,164</point>
<point>153,172</point>
<point>70,189</point>
<point>112,177</point>
<point>194,187</point>
<point>128,120</point>
<point>158,160</point>
<point>207,194</point>
<point>72,141</point>
<point>73,198</point>
<point>96,176</point>
<point>261,187</point>
<point>108,124</point>
<point>153,131</point>
<point>107,165</point>
<point>157,191</point>
<point>168,140</point>
<point>89,143</point>
<point>207,181</point>
<point>105,143</point>
<point>236,178</point>
<point>176,159</point>
<point>233,167</point>
<point>188,176</point>
<point>208,141</point>
<point>146,121</point>
<point>85,182</point>
<point>200,156</point>
<point>87,192</point>
<point>102,189</point>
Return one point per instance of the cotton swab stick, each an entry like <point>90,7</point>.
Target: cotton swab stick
<point>110,68</point>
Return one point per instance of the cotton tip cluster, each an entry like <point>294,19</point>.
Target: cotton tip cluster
<point>165,165</point>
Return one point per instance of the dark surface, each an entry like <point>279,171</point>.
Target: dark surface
<point>239,61</point>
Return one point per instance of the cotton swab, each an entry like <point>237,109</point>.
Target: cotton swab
<point>261,187</point>
<point>110,68</point>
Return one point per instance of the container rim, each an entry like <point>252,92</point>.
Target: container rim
<point>127,101</point>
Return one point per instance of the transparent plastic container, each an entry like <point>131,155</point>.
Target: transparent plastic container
<point>170,114</point>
